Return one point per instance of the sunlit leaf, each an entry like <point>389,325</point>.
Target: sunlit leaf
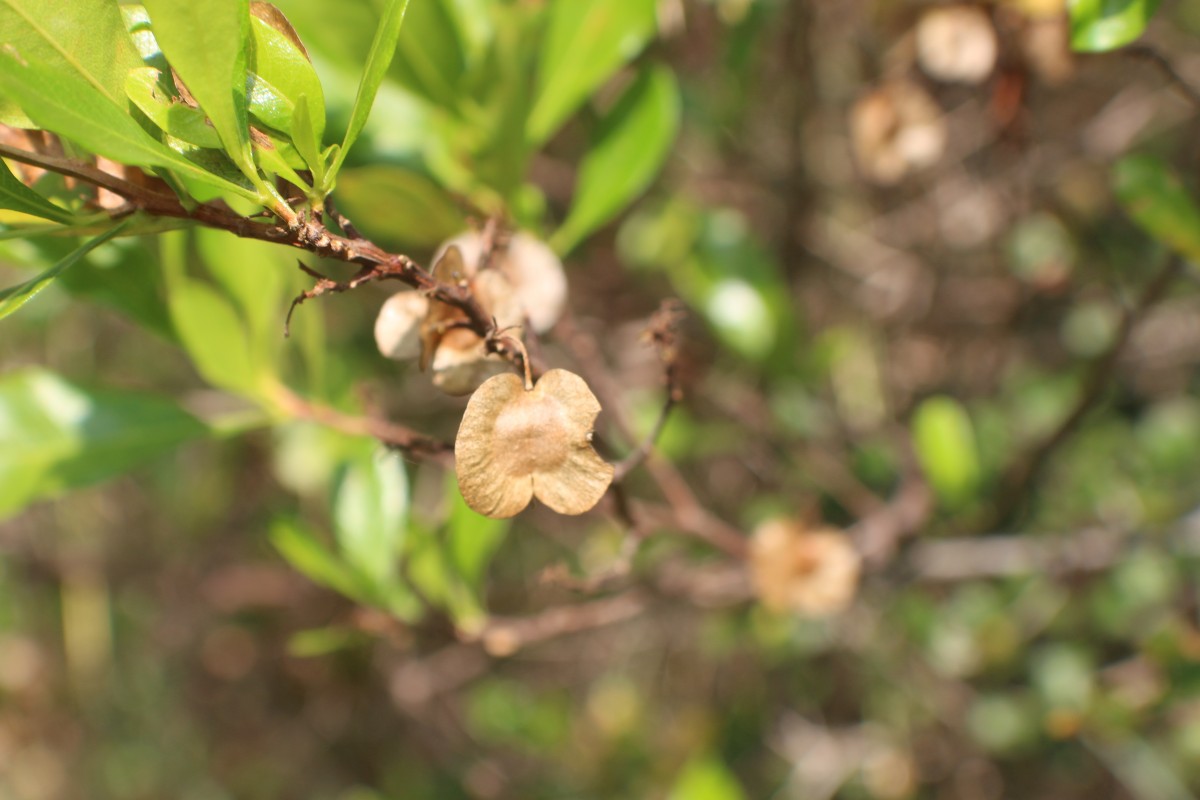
<point>169,114</point>
<point>55,436</point>
<point>19,197</point>
<point>1099,25</point>
<point>587,41</point>
<point>706,779</point>
<point>369,511</point>
<point>85,38</point>
<point>1153,195</point>
<point>383,47</point>
<point>68,105</point>
<point>205,42</point>
<point>14,297</point>
<point>281,75</point>
<point>305,553</point>
<point>629,150</point>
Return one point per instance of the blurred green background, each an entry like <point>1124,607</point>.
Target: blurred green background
<point>949,258</point>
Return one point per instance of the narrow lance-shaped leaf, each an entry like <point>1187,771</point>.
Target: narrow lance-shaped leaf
<point>205,42</point>
<point>17,196</point>
<point>587,41</point>
<point>280,76</point>
<point>67,105</point>
<point>1159,203</point>
<point>369,511</point>
<point>633,141</point>
<point>55,436</point>
<point>383,48</point>
<point>14,297</point>
<point>86,38</point>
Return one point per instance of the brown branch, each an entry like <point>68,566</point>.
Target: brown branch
<point>306,234</point>
<point>1164,65</point>
<point>389,433</point>
<point>1020,477</point>
<point>504,636</point>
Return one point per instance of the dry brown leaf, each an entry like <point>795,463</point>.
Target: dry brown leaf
<point>516,444</point>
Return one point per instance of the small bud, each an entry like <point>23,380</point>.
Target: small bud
<point>398,326</point>
<point>515,444</point>
<point>811,572</point>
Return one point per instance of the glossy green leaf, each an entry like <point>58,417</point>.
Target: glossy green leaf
<point>65,104</point>
<point>180,120</point>
<point>369,511</point>
<point>14,297</point>
<point>1153,195</point>
<point>586,43</point>
<point>379,57</point>
<point>205,42</point>
<point>398,207</point>
<point>1099,25</point>
<point>304,138</point>
<point>281,75</point>
<point>632,143</point>
<point>944,439</point>
<point>55,436</point>
<point>84,38</point>
<point>17,196</point>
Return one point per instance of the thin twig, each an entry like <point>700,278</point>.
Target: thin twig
<point>1164,65</point>
<point>1021,476</point>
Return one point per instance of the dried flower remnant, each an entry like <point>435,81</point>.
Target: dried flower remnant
<point>535,273</point>
<point>896,129</point>
<point>410,325</point>
<point>810,572</point>
<point>956,44</point>
<point>518,442</point>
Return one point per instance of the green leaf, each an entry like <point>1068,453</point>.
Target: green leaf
<point>587,41</point>
<point>630,148</point>
<point>307,555</point>
<point>428,59</point>
<point>379,57</point>
<point>207,324</point>
<point>14,297</point>
<point>1099,25</point>
<point>396,206</point>
<point>205,42</point>
<point>945,443</point>
<point>130,282</point>
<point>171,116</point>
<point>254,275</point>
<point>706,779</point>
<point>67,105</point>
<point>281,75</point>
<point>84,38</point>
<point>19,197</point>
<point>306,143</point>
<point>1159,203</point>
<point>55,436</point>
<point>369,511</point>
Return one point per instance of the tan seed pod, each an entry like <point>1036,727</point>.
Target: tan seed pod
<point>515,444</point>
<point>462,363</point>
<point>442,317</point>
<point>810,572</point>
<point>534,270</point>
<point>398,326</point>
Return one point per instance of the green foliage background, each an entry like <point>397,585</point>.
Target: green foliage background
<point>207,593</point>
